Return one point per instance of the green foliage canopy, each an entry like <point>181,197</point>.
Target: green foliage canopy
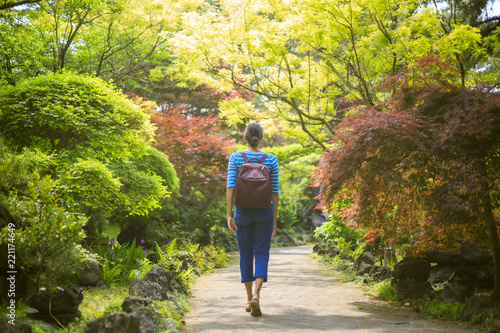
<point>45,229</point>
<point>73,116</point>
<point>97,136</point>
<point>306,59</point>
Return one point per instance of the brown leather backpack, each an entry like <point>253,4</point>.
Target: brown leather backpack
<point>253,184</point>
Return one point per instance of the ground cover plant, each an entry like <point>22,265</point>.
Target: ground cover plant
<point>186,260</point>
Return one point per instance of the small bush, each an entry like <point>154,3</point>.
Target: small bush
<point>120,262</point>
<point>440,310</point>
<point>385,291</point>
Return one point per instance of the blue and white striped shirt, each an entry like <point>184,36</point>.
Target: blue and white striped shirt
<point>236,160</point>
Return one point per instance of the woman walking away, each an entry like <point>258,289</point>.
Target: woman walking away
<point>253,227</point>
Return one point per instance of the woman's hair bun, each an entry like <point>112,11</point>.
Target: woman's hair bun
<point>253,134</point>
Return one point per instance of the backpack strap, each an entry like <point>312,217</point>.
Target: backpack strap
<point>261,161</point>
<point>244,156</point>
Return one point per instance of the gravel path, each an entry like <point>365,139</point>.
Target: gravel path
<point>302,295</point>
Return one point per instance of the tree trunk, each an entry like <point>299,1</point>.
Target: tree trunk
<point>495,250</point>
<point>489,218</point>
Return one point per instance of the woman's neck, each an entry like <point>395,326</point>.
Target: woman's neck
<point>255,150</point>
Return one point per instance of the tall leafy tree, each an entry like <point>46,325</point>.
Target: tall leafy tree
<point>97,135</point>
<point>423,168</point>
<point>117,40</point>
<point>304,57</point>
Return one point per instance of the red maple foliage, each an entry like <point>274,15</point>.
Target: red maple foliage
<point>196,147</point>
<point>191,134</point>
<point>424,167</point>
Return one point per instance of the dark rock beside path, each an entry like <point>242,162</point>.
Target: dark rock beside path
<point>286,238</point>
<point>364,268</point>
<point>440,275</point>
<point>61,300</point>
<point>89,274</point>
<point>146,318</point>
<point>114,323</point>
<point>61,303</point>
<point>476,304</point>
<point>146,322</point>
<point>137,322</point>
<point>365,257</point>
<point>411,289</point>
<point>157,283</point>
<point>415,269</point>
<point>319,249</point>
<point>381,272</point>
<point>132,304</point>
<point>455,292</point>
<point>153,290</point>
<point>162,277</point>
<point>326,250</point>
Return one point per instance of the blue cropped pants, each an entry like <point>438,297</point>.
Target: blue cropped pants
<point>255,229</point>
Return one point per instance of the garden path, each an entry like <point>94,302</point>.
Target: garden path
<point>302,295</point>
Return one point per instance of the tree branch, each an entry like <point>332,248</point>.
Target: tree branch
<point>8,5</point>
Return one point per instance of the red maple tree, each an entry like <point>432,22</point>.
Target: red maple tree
<point>424,167</point>
<point>196,147</point>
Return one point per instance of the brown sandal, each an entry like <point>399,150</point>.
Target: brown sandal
<point>255,307</point>
<point>248,308</point>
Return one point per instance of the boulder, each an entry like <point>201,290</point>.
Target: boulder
<point>477,304</point>
<point>440,274</point>
<point>286,238</point>
<point>185,259</point>
<point>6,327</point>
<point>147,289</point>
<point>412,289</point>
<point>364,268</point>
<point>114,323</point>
<point>333,251</point>
<point>157,283</point>
<point>59,305</point>
<point>163,277</point>
<point>146,322</point>
<point>89,274</point>
<point>493,312</point>
<point>365,257</point>
<point>132,304</point>
<point>455,292</point>
<point>381,272</point>
<point>415,269</point>
<point>54,318</point>
<point>319,248</point>
<point>61,300</point>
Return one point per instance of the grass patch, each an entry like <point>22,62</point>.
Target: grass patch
<point>98,302</point>
<point>444,311</point>
<point>383,290</point>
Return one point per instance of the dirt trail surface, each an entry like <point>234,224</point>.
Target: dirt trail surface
<point>302,295</point>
